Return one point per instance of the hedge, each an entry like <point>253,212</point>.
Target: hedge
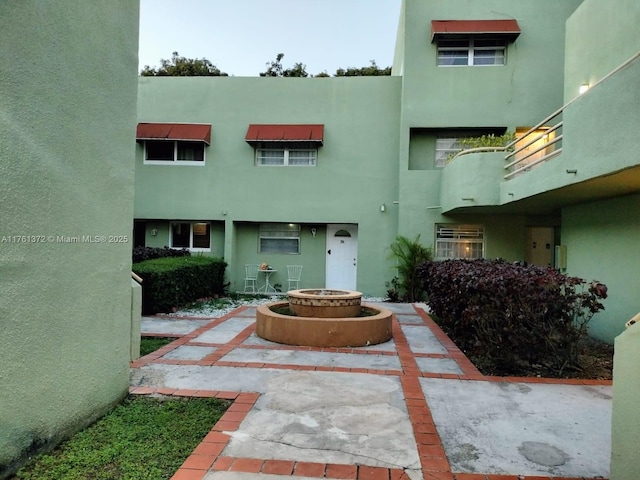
<point>141,254</point>
<point>511,313</point>
<point>175,281</point>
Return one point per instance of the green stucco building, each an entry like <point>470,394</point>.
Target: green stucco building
<point>325,172</point>
<point>67,138</point>
<point>318,172</point>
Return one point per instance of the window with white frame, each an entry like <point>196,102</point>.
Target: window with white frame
<point>195,236</point>
<point>286,155</point>
<point>471,52</point>
<point>174,151</point>
<point>279,238</point>
<point>459,241</point>
<point>446,147</point>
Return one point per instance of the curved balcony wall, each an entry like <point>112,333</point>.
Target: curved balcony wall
<point>472,180</point>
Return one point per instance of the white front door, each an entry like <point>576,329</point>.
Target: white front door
<point>342,256</point>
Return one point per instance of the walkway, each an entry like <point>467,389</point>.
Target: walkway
<point>412,408</point>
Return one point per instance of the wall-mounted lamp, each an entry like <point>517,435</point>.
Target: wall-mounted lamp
<point>510,194</point>
<point>314,230</point>
<point>573,170</point>
<point>383,207</point>
<point>583,88</point>
<point>154,232</point>
<point>467,199</point>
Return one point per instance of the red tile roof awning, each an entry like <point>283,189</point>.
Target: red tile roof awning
<point>503,28</point>
<point>313,133</point>
<point>194,132</point>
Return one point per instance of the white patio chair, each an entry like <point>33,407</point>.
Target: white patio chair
<point>294,272</point>
<point>251,277</point>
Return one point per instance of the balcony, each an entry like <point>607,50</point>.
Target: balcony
<point>589,149</point>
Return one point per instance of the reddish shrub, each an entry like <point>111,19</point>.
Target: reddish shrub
<point>510,313</point>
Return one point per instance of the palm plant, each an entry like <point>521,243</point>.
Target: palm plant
<point>408,255</point>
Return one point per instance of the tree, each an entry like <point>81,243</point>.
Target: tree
<point>179,66</point>
<point>371,71</point>
<point>275,69</point>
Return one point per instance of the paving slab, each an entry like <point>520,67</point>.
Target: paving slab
<point>189,352</point>
<point>422,340</point>
<point>326,417</point>
<point>170,326</point>
<point>226,331</point>
<point>528,428</point>
<point>308,358</point>
<point>438,365</point>
<point>255,340</point>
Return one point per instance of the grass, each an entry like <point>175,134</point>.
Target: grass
<point>141,439</point>
<point>151,344</point>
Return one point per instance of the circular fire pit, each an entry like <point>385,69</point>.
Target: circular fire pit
<point>325,303</point>
<point>324,318</point>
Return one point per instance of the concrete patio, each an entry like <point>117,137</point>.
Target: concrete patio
<point>411,408</point>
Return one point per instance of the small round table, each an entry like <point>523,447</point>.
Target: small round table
<point>267,287</point>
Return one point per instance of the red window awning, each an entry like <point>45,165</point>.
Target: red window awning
<point>508,28</point>
<point>194,132</point>
<point>313,133</point>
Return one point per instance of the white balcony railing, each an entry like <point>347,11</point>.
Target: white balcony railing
<point>544,141</point>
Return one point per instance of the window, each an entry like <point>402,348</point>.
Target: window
<point>459,241</point>
<point>195,236</point>
<point>178,151</point>
<point>286,157</point>
<point>446,147</point>
<point>279,238</point>
<point>471,52</point>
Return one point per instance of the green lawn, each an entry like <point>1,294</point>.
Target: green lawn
<point>151,344</point>
<point>142,439</point>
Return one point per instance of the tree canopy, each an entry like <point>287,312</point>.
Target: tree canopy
<point>275,69</point>
<point>371,71</point>
<point>178,66</point>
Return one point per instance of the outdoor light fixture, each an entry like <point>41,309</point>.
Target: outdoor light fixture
<point>154,232</point>
<point>313,232</point>
<point>583,88</point>
<point>383,207</point>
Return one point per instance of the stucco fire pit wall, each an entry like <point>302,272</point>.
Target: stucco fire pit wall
<point>325,303</point>
<point>323,332</point>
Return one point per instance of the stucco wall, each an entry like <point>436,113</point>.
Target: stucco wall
<point>67,123</point>
<point>625,421</point>
<point>356,168</point>
<point>521,93</point>
<point>601,239</point>
<point>600,37</point>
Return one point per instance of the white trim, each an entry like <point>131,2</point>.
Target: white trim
<point>175,161</point>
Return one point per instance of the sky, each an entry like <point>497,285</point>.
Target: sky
<point>241,36</point>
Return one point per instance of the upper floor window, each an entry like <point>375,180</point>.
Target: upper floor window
<point>195,236</point>
<point>290,145</point>
<point>459,241</point>
<point>174,143</point>
<point>284,156</point>
<point>471,52</point>
<point>473,42</point>
<point>446,147</point>
<point>162,151</point>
